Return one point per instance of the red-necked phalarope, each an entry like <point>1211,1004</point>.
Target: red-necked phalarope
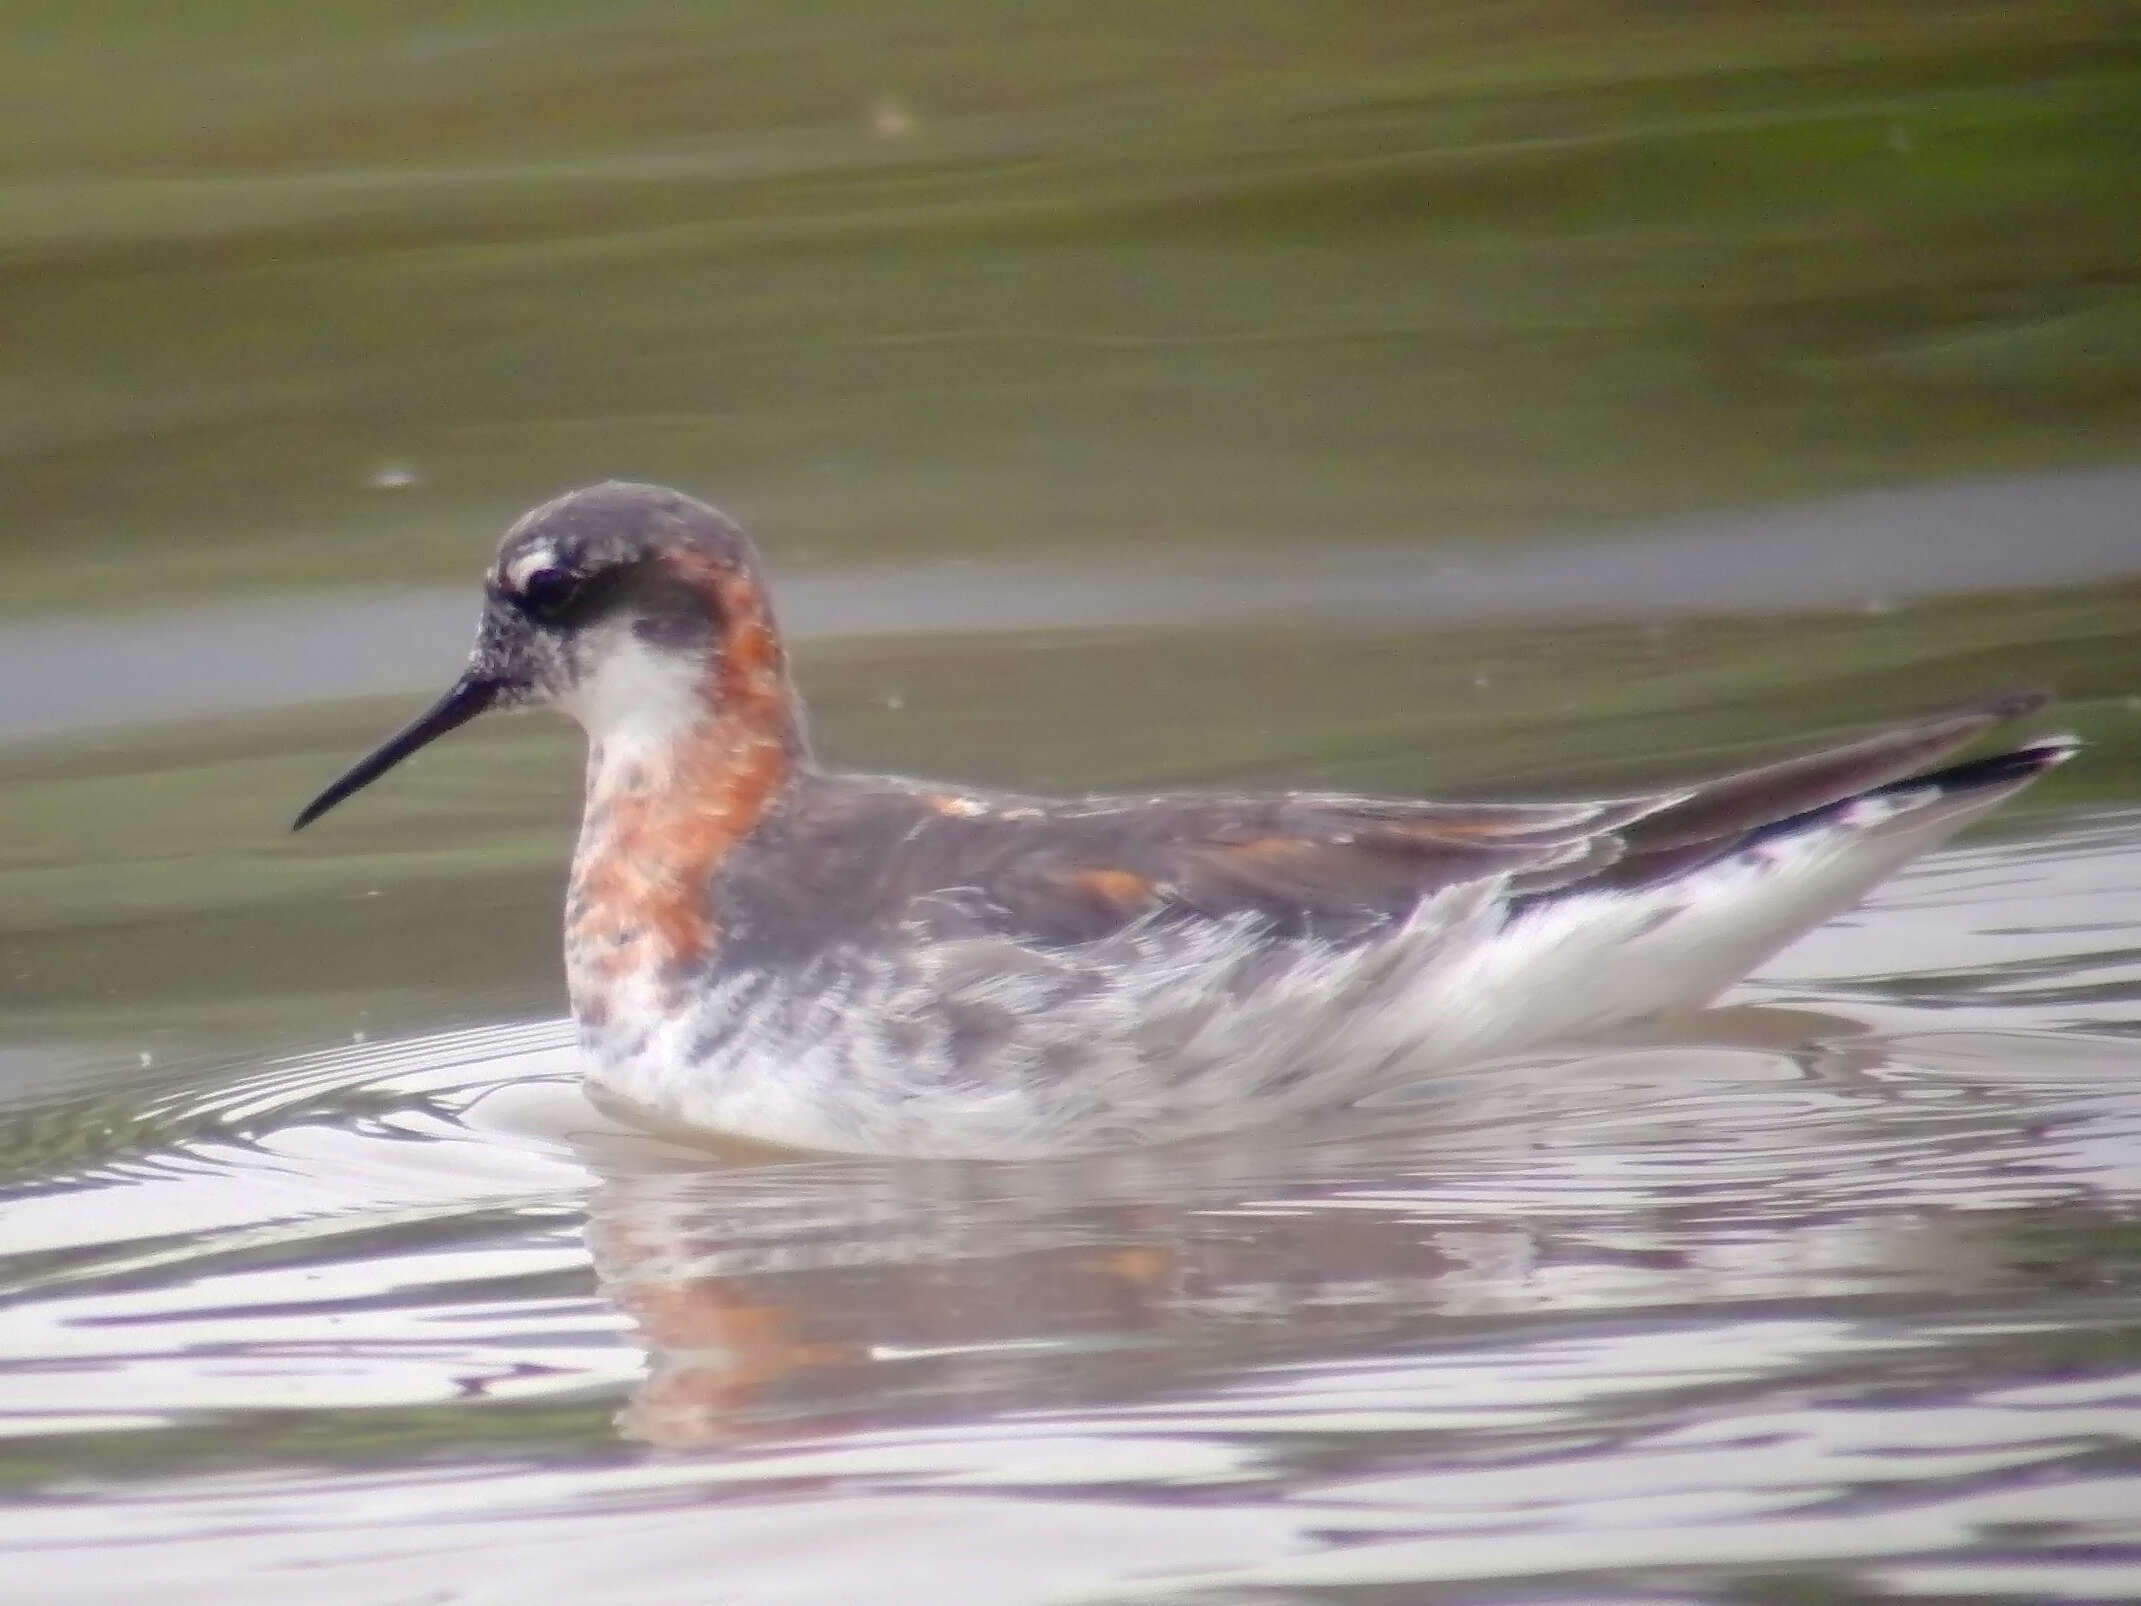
<point>759,948</point>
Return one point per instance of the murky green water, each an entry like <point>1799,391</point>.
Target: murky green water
<point>1409,399</point>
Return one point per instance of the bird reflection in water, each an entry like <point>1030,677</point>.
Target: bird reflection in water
<point>768,1301</point>
<point>782,1295</point>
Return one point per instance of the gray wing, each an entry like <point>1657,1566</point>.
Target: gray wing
<point>864,856</point>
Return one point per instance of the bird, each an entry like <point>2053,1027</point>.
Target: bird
<point>760,948</point>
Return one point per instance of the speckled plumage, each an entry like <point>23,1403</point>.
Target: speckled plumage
<point>760,948</point>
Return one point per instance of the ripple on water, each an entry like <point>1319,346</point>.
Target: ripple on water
<point>1842,1281</point>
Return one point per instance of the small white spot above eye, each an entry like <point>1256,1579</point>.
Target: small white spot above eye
<point>529,564</point>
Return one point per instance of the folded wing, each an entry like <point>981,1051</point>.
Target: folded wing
<point>1333,867</point>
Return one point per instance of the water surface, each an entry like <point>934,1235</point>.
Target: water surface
<point>1840,1287</point>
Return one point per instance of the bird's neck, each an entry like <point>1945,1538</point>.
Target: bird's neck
<point>685,759</point>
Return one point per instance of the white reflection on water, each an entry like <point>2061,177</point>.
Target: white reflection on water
<point>1843,1279</point>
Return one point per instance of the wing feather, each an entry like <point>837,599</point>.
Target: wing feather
<point>886,856</point>
<point>1749,799</point>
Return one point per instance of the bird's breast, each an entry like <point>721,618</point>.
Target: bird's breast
<point>640,909</point>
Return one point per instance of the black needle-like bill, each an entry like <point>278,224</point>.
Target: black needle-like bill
<point>469,696</point>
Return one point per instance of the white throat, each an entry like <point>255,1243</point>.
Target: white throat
<point>637,704</point>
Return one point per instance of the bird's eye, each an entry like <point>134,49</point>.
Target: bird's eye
<point>547,593</point>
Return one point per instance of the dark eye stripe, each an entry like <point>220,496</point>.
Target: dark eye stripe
<point>549,592</point>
